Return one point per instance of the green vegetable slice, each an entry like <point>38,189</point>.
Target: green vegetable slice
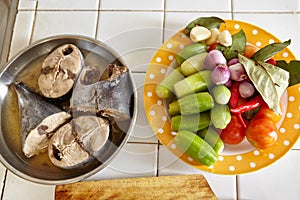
<point>238,46</point>
<point>207,22</point>
<point>269,80</point>
<point>293,67</point>
<point>270,50</point>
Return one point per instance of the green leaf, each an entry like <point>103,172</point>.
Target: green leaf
<point>238,46</point>
<point>293,68</point>
<point>270,50</point>
<point>207,22</point>
<point>270,81</point>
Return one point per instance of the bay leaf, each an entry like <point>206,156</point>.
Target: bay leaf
<point>270,50</point>
<point>238,46</point>
<point>279,76</point>
<point>293,67</point>
<point>207,22</point>
<point>270,81</point>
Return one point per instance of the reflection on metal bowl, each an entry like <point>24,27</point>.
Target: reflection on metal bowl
<point>26,67</point>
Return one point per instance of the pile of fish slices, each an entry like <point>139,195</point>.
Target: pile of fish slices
<point>72,139</point>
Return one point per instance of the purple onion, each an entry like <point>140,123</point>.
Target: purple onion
<point>246,89</point>
<point>233,61</point>
<point>220,75</point>
<point>237,72</point>
<point>214,58</point>
<point>228,83</point>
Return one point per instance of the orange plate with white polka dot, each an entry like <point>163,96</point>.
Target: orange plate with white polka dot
<point>235,159</point>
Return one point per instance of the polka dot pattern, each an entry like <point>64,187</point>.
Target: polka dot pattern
<point>233,163</point>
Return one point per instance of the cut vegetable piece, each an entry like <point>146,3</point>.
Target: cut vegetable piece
<point>197,82</point>
<point>165,88</point>
<point>221,94</point>
<point>220,116</point>
<point>195,147</point>
<point>193,64</point>
<point>192,123</point>
<point>211,136</point>
<point>190,51</point>
<point>192,104</point>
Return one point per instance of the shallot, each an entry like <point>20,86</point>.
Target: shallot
<point>214,58</point>
<point>237,72</point>
<point>220,75</point>
<point>246,89</point>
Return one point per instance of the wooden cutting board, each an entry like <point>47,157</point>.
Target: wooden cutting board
<point>162,187</point>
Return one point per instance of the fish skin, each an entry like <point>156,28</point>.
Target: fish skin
<point>33,109</point>
<point>110,97</point>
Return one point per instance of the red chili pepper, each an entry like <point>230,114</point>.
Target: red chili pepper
<point>250,105</point>
<point>234,98</point>
<point>272,61</point>
<point>212,47</point>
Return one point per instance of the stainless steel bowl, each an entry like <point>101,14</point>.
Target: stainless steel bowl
<point>39,169</point>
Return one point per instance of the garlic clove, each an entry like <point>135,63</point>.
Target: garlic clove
<point>214,36</point>
<point>199,33</point>
<point>225,38</point>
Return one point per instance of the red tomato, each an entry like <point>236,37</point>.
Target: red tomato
<point>250,50</point>
<point>234,132</point>
<point>261,133</point>
<point>266,113</point>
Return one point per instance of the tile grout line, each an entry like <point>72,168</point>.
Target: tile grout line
<point>237,187</point>
<point>4,184</point>
<point>98,19</point>
<point>157,160</point>
<point>231,7</point>
<point>169,11</point>
<point>33,23</point>
<point>162,41</point>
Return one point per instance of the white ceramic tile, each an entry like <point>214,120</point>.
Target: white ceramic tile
<point>134,35</point>
<point>192,5</point>
<point>68,5</point>
<point>284,26</point>
<point>142,131</point>
<point>134,160</point>
<point>17,188</point>
<point>49,23</point>
<point>2,177</point>
<point>175,21</point>
<point>266,6</point>
<point>223,186</point>
<point>27,4</point>
<point>132,5</point>
<point>22,31</point>
<point>278,181</point>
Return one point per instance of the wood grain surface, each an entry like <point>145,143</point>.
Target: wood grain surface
<point>162,187</point>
